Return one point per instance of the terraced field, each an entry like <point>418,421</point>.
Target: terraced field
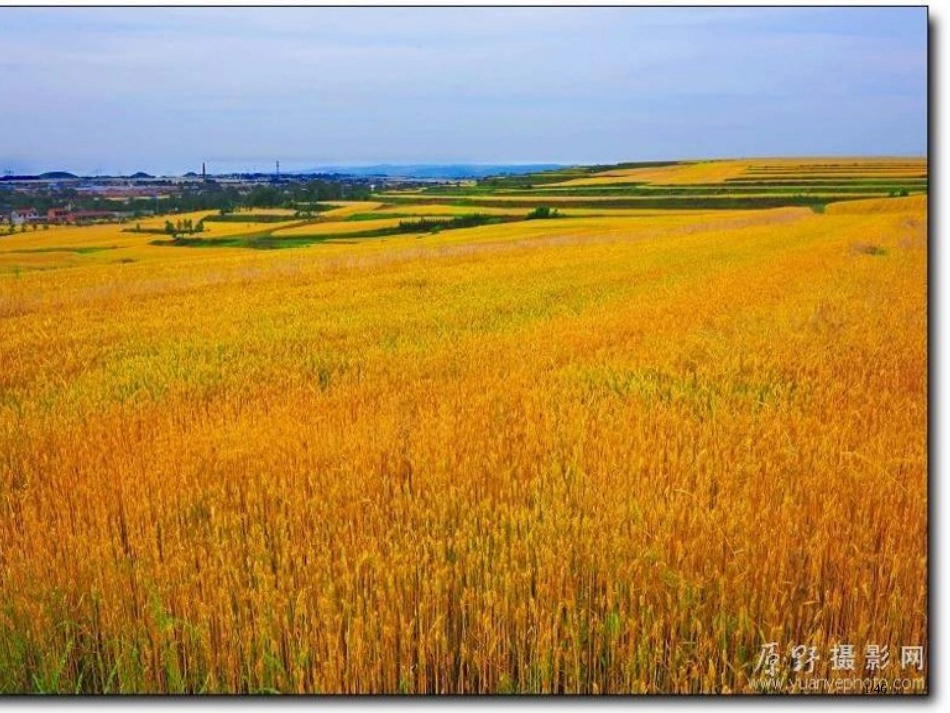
<point>705,172</point>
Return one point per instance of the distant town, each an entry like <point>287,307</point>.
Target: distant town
<point>62,198</point>
<point>59,198</point>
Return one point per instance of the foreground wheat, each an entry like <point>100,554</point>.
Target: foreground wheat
<point>592,455</point>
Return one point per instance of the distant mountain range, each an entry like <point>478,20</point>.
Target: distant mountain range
<point>64,176</point>
<point>434,171</point>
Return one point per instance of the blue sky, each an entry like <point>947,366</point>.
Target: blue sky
<point>161,89</point>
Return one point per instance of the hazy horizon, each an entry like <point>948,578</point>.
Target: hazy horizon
<point>314,167</point>
<point>120,90</point>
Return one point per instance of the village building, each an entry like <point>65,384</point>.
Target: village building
<point>57,215</point>
<point>24,215</point>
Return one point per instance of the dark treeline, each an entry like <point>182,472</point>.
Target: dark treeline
<point>435,224</point>
<point>209,195</point>
<point>293,195</point>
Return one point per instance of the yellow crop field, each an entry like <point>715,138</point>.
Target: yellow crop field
<point>424,210</point>
<point>840,168</point>
<point>345,209</point>
<point>827,175</point>
<point>615,452</point>
<point>701,172</point>
<point>332,227</point>
<point>562,201</point>
<point>109,243</point>
<point>705,172</point>
<point>910,204</point>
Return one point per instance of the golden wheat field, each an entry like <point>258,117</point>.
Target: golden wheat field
<point>730,170</point>
<point>612,453</point>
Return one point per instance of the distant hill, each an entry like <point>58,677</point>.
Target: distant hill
<point>434,171</point>
<point>50,176</point>
<point>141,174</point>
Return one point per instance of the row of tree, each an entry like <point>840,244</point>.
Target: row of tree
<point>184,227</point>
<point>11,228</point>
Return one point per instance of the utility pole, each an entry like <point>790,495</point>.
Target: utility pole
<point>278,171</point>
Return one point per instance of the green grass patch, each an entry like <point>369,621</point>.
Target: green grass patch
<point>360,217</point>
<point>268,240</point>
<point>231,242</point>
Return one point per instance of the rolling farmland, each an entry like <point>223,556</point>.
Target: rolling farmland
<point>393,448</point>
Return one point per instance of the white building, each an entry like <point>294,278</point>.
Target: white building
<point>20,217</point>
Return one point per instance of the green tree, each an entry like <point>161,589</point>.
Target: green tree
<point>542,212</point>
